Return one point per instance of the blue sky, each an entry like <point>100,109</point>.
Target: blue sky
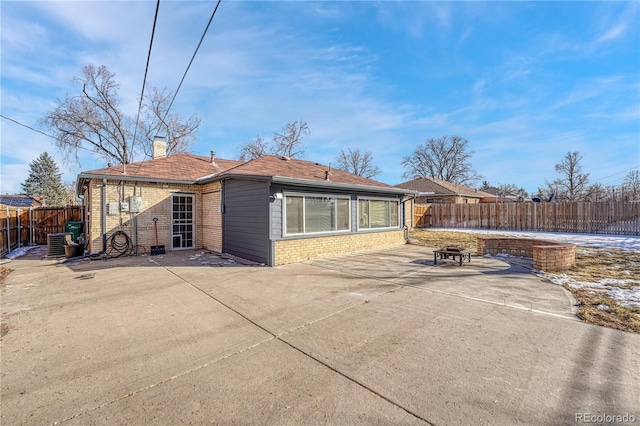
<point>524,82</point>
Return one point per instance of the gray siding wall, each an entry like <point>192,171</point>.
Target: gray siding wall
<point>246,219</point>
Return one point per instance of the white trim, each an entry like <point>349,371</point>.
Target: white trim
<point>369,228</point>
<point>192,223</point>
<point>313,195</point>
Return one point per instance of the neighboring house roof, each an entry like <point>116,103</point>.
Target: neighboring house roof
<point>20,200</point>
<point>492,190</point>
<point>189,168</point>
<point>436,187</point>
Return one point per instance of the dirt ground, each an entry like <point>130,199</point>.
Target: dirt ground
<point>374,338</point>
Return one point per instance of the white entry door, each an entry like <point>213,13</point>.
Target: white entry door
<point>182,221</point>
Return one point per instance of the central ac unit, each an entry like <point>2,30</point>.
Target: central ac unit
<point>56,242</point>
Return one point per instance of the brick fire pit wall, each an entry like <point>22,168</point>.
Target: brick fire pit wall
<point>548,256</point>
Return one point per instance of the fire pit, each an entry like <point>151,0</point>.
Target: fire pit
<point>451,251</point>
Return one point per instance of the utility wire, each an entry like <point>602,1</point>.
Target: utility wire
<point>616,174</point>
<point>189,66</point>
<point>146,70</point>
<point>28,127</point>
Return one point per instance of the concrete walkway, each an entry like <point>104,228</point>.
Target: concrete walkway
<point>383,337</point>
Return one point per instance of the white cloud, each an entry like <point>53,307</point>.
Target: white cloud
<point>589,89</point>
<point>613,33</point>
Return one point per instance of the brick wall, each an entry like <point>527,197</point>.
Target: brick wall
<point>554,258</point>
<point>211,218</point>
<point>156,199</point>
<point>547,255</point>
<point>289,251</point>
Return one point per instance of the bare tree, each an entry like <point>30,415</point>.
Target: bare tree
<point>549,192</point>
<point>357,162</point>
<point>596,192</point>
<point>253,149</point>
<point>510,188</point>
<point>572,183</point>
<point>630,188</point>
<point>503,189</point>
<point>289,143</point>
<point>446,158</point>
<point>154,120</point>
<point>72,196</point>
<point>93,120</point>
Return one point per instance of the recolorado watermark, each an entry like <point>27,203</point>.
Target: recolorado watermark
<point>605,418</point>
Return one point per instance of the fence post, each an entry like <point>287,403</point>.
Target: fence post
<point>19,228</point>
<point>31,226</point>
<point>8,231</point>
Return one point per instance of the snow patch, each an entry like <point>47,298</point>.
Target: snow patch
<point>621,242</point>
<point>622,291</point>
<point>19,252</point>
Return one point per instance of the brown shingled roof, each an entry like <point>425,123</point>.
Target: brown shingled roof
<point>182,167</point>
<point>270,165</point>
<point>189,167</point>
<point>441,187</point>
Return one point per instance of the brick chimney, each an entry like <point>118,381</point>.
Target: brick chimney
<point>159,148</point>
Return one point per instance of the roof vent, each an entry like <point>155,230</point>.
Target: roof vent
<point>285,158</point>
<point>327,174</point>
<point>213,157</point>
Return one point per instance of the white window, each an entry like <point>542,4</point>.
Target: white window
<point>377,213</point>
<point>312,214</point>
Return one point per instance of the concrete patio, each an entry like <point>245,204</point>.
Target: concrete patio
<point>377,337</point>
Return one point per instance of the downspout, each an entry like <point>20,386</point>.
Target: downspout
<point>222,214</point>
<point>404,218</point>
<point>103,225</point>
<point>103,217</point>
<point>272,245</point>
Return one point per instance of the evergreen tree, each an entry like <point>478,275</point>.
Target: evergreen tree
<point>45,180</point>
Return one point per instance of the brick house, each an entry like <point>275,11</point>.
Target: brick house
<point>272,210</point>
<point>438,191</point>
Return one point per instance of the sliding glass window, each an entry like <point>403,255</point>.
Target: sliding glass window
<point>375,213</point>
<point>313,214</point>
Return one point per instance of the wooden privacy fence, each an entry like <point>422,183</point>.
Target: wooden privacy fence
<point>616,218</point>
<point>421,215</point>
<point>30,226</point>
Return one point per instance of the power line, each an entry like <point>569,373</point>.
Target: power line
<point>28,127</point>
<point>615,174</point>
<point>144,80</point>
<point>190,62</point>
